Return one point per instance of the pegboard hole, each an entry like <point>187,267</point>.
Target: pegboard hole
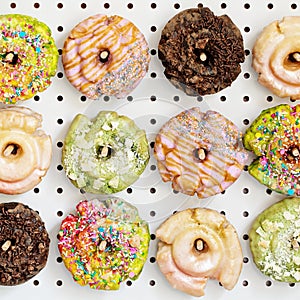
<point>223,5</point>
<point>60,121</point>
<point>60,28</point>
<point>246,75</point>
<point>59,283</point>
<point>129,191</point>
<point>59,190</point>
<point>152,121</point>
<point>152,282</point>
<point>36,98</point>
<point>269,98</point>
<point>223,98</point>
<point>245,260</point>
<point>153,5</point>
<point>245,237</point>
<point>59,168</point>
<point>153,28</point>
<point>60,75</point>
<point>152,145</point>
<point>245,190</point>
<point>60,5</point>
<point>152,236</point>
<point>246,168</point>
<point>247,29</point>
<point>153,52</point>
<point>36,5</point>
<point>176,98</point>
<point>246,122</point>
<point>106,5</point>
<point>129,283</point>
<point>60,98</point>
<point>153,190</point>
<point>176,5</point>
<point>246,5</point>
<point>245,214</point>
<point>245,283</point>
<point>13,5</point>
<point>152,213</point>
<point>152,259</point>
<point>130,6</point>
<point>153,167</point>
<point>59,51</point>
<point>59,260</point>
<point>59,144</point>
<point>175,192</point>
<point>153,98</point>
<point>106,98</point>
<point>268,283</point>
<point>199,98</point>
<point>83,98</point>
<point>36,282</point>
<point>269,191</point>
<point>129,98</point>
<point>36,190</point>
<point>292,284</point>
<point>247,52</point>
<point>59,213</point>
<point>270,6</point>
<point>246,98</point>
<point>294,6</point>
<point>222,212</point>
<point>83,5</point>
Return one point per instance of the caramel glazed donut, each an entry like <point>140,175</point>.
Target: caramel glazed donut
<point>276,57</point>
<point>25,150</point>
<point>105,55</point>
<point>196,245</point>
<point>199,152</point>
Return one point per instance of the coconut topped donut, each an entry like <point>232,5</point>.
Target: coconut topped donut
<point>105,55</point>
<point>25,150</point>
<point>276,57</point>
<point>196,245</point>
<point>275,240</point>
<point>104,155</point>
<point>201,52</point>
<point>28,57</point>
<point>200,153</point>
<point>105,243</point>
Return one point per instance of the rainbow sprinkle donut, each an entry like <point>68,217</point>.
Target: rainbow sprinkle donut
<point>104,244</point>
<point>274,138</point>
<point>28,56</point>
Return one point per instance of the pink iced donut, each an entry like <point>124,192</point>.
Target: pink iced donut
<point>200,153</point>
<point>105,55</point>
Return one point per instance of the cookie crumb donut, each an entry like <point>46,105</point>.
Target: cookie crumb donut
<point>25,150</point>
<point>201,52</point>
<point>275,241</point>
<point>276,57</point>
<point>28,56</point>
<point>105,55</point>
<point>197,245</point>
<point>274,138</point>
<point>200,153</point>
<point>104,244</point>
<point>106,154</point>
<point>24,243</point>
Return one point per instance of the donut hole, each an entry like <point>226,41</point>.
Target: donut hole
<point>12,150</point>
<point>104,152</point>
<point>292,61</point>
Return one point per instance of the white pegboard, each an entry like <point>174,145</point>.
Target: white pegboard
<point>150,105</point>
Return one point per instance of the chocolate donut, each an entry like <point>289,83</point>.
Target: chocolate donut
<point>105,56</point>
<point>200,153</point>
<point>201,52</point>
<point>275,241</point>
<point>276,57</point>
<point>28,56</point>
<point>274,138</point>
<point>104,155</point>
<point>104,244</point>
<point>197,245</point>
<point>24,243</point>
<point>25,150</point>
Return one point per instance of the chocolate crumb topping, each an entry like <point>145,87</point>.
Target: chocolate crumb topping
<point>201,52</point>
<point>24,243</point>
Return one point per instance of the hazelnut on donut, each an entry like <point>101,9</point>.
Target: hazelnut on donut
<point>196,245</point>
<point>276,57</point>
<point>25,150</point>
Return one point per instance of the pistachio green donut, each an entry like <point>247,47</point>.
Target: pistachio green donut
<point>275,241</point>
<point>28,56</point>
<point>104,155</point>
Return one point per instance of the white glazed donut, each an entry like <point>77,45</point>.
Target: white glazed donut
<point>276,57</point>
<point>195,245</point>
<point>25,150</point>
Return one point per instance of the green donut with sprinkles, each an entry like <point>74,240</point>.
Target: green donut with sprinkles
<point>274,137</point>
<point>104,155</point>
<point>104,243</point>
<point>275,241</point>
<point>28,56</point>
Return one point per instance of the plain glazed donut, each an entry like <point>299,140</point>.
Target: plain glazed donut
<point>28,57</point>
<point>25,150</point>
<point>199,152</point>
<point>195,245</point>
<point>105,55</point>
<point>276,57</point>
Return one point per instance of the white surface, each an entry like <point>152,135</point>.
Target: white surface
<point>48,201</point>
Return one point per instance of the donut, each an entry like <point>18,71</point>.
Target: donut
<point>25,149</point>
<point>276,57</point>
<point>24,243</point>
<point>105,55</point>
<point>275,241</point>
<point>106,154</point>
<point>28,57</point>
<point>104,244</point>
<point>196,245</point>
<point>200,153</point>
<point>201,52</point>
<point>274,138</point>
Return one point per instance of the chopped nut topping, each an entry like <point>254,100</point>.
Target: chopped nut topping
<point>6,245</point>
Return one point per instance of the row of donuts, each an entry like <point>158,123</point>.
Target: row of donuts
<point>108,55</point>
<point>89,239</point>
